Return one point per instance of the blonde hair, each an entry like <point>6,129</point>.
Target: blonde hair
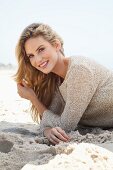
<point>44,85</point>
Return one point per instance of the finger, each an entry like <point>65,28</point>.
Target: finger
<point>58,135</point>
<point>19,85</point>
<point>19,89</point>
<point>24,83</point>
<point>62,132</point>
<point>54,138</point>
<point>61,137</point>
<point>52,141</point>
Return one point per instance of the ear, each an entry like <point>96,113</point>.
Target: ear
<point>57,44</point>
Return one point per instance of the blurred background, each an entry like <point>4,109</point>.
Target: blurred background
<point>85,26</point>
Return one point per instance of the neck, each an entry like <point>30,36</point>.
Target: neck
<point>61,66</point>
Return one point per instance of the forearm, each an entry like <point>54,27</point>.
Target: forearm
<point>38,105</point>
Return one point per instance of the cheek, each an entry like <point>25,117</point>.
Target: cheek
<point>55,56</point>
<point>32,62</point>
<point>49,52</point>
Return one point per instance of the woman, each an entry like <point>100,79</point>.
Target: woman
<point>65,92</point>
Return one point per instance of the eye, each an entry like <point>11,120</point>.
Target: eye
<point>30,56</point>
<point>41,49</point>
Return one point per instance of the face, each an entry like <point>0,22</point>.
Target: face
<point>42,55</point>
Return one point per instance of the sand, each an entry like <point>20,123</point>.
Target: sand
<point>90,148</point>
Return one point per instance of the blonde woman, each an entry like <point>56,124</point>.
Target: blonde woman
<point>65,92</point>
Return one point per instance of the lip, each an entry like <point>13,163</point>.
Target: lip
<point>43,64</point>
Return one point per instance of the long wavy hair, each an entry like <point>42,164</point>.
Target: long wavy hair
<point>44,85</point>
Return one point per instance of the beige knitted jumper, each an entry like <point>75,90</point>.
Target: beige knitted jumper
<point>87,92</point>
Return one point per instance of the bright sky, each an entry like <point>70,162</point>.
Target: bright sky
<point>86,26</point>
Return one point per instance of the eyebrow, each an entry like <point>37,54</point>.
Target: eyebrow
<point>35,50</point>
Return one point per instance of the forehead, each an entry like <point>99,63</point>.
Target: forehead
<point>33,43</point>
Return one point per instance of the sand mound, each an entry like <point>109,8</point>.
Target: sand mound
<point>77,156</point>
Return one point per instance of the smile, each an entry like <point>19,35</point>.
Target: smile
<point>44,64</point>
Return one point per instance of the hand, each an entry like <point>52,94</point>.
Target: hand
<point>25,91</point>
<point>56,135</point>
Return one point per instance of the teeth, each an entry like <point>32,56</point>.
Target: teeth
<point>43,64</point>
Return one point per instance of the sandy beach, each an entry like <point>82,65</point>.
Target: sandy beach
<point>90,148</point>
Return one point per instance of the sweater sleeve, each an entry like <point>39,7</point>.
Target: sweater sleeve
<point>80,89</point>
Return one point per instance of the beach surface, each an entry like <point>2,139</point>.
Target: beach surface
<point>21,147</point>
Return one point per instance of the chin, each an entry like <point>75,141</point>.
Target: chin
<point>46,71</point>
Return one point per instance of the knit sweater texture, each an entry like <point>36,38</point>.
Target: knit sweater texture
<point>85,98</point>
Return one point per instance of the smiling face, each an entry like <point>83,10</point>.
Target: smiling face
<point>42,55</point>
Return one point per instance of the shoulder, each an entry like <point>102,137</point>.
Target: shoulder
<point>89,64</point>
<point>81,64</point>
<point>82,61</point>
<point>87,68</point>
<point>82,69</point>
<point>85,63</point>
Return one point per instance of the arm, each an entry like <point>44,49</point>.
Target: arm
<point>80,89</point>
<point>54,135</point>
